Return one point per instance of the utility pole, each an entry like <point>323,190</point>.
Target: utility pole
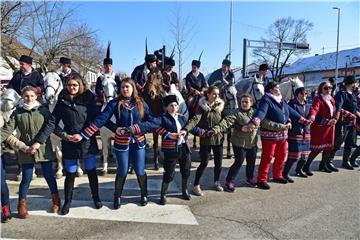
<point>231,14</point>
<point>337,45</point>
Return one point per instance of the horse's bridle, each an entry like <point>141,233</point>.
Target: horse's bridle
<point>252,91</point>
<point>55,89</point>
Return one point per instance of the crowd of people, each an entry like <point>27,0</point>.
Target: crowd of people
<point>307,131</point>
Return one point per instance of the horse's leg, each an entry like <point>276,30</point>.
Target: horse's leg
<point>155,148</point>
<point>58,154</point>
<point>228,149</point>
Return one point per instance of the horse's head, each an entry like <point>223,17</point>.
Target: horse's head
<point>109,87</point>
<point>8,102</point>
<point>288,88</point>
<point>154,85</point>
<point>53,86</point>
<point>251,86</point>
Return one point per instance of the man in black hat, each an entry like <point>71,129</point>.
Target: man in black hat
<point>158,54</point>
<point>66,70</point>
<point>108,74</point>
<point>169,76</point>
<point>27,75</point>
<point>262,75</point>
<point>139,75</point>
<point>196,84</point>
<point>223,74</point>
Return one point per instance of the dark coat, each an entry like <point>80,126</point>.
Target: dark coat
<point>345,100</point>
<point>298,128</point>
<point>20,80</point>
<point>169,79</point>
<point>76,115</point>
<point>195,83</point>
<point>138,75</point>
<point>167,126</point>
<point>64,78</point>
<point>217,75</point>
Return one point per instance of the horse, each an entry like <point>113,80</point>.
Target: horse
<point>9,100</point>
<point>52,88</point>
<point>252,86</point>
<point>110,91</point>
<point>153,94</point>
<point>228,93</point>
<point>287,88</point>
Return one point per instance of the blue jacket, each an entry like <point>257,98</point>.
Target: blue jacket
<point>345,100</point>
<point>167,126</point>
<point>138,75</point>
<point>303,110</point>
<point>130,119</point>
<point>20,80</point>
<point>217,75</point>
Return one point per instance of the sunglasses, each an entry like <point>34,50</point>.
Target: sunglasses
<point>327,88</point>
<point>304,93</point>
<point>73,85</point>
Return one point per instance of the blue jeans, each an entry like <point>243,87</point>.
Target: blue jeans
<point>4,187</point>
<point>134,155</point>
<point>71,165</point>
<point>27,172</point>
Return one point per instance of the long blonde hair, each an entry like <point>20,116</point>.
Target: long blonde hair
<point>137,99</point>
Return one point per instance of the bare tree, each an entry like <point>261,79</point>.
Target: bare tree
<point>283,30</point>
<point>182,30</point>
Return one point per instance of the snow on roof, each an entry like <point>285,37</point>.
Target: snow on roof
<point>325,62</point>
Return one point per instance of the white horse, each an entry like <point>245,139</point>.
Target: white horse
<point>252,86</point>
<point>52,87</point>
<point>110,89</point>
<point>288,87</point>
<point>9,100</point>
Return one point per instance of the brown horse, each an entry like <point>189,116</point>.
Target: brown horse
<point>153,94</point>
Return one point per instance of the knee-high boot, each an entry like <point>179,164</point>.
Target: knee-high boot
<point>94,186</point>
<point>323,166</point>
<point>119,186</point>
<point>143,187</point>
<point>68,190</point>
<point>345,164</point>
<point>164,189</point>
<point>329,158</point>
<point>299,167</point>
<point>306,167</point>
<point>185,192</point>
<point>353,157</point>
<point>286,170</point>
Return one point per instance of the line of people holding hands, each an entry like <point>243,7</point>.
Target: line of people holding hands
<point>306,131</point>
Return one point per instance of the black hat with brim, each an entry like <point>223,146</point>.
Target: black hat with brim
<point>170,99</point>
<point>263,67</point>
<point>64,60</point>
<point>26,59</point>
<point>169,61</point>
<point>196,63</point>
<point>226,62</point>
<point>150,58</point>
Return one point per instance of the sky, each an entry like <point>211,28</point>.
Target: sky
<point>126,24</point>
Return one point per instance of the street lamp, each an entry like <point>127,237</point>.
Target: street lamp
<point>337,45</point>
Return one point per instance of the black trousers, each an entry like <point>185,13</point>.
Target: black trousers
<point>240,155</point>
<point>345,134</point>
<point>205,151</point>
<point>170,160</point>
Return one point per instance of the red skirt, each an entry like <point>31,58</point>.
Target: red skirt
<point>322,137</point>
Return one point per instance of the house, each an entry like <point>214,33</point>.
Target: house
<point>316,69</point>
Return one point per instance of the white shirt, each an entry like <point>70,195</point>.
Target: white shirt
<point>178,128</point>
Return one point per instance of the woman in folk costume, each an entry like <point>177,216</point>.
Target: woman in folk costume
<point>133,120</point>
<point>76,108</point>
<point>244,140</point>
<point>35,124</point>
<point>322,130</point>
<point>211,107</point>
<point>274,108</point>
<point>175,147</point>
<point>345,128</point>
<point>298,137</point>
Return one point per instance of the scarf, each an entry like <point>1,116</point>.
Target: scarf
<point>278,99</point>
<point>28,107</point>
<point>128,104</point>
<point>327,99</point>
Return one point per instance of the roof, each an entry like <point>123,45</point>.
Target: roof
<point>325,62</point>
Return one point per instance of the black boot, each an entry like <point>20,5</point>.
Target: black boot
<point>94,186</point>
<point>68,192</point>
<point>353,157</point>
<point>329,157</point>
<point>298,170</point>
<point>307,165</point>
<point>119,185</point>
<point>164,188</point>
<point>345,164</point>
<point>185,192</point>
<point>156,160</point>
<point>287,167</point>
<point>143,187</point>
<point>323,164</point>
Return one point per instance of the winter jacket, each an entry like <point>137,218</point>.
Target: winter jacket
<point>298,130</point>
<point>20,80</point>
<point>34,125</point>
<point>15,143</point>
<point>75,114</point>
<point>207,118</point>
<point>127,118</point>
<point>195,83</point>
